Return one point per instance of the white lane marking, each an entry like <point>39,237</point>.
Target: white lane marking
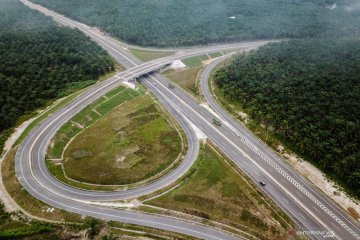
<point>335,226</point>
<point>300,195</point>
<point>316,209</point>
<point>285,200</point>
<point>281,179</point>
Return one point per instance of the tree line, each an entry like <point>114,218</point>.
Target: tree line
<point>308,92</point>
<point>166,23</point>
<point>39,60</point>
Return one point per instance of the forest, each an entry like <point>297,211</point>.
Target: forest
<point>308,92</point>
<point>164,23</point>
<point>39,60</point>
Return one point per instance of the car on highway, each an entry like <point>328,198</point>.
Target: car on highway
<point>171,85</point>
<point>217,121</point>
<point>262,183</point>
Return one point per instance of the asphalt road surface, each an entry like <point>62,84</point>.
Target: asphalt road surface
<point>309,208</point>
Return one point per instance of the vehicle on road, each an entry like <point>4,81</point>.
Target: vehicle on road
<point>217,121</point>
<point>262,183</point>
<point>171,85</point>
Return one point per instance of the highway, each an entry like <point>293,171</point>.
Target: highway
<point>309,208</point>
<point>35,178</point>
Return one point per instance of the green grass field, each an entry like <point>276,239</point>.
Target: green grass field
<point>149,55</point>
<point>86,117</point>
<point>216,192</point>
<point>132,141</point>
<point>195,61</point>
<point>215,55</point>
<point>186,79</point>
<point>131,144</point>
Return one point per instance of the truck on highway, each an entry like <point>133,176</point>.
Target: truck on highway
<point>217,121</point>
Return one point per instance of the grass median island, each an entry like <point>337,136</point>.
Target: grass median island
<point>215,54</point>
<point>186,79</point>
<point>122,138</point>
<point>195,61</point>
<point>86,117</point>
<point>216,192</point>
<point>147,56</point>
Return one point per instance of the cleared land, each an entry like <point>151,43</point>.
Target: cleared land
<point>217,192</point>
<point>149,55</point>
<point>133,141</point>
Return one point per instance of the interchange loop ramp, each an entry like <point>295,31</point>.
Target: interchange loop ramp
<point>292,196</point>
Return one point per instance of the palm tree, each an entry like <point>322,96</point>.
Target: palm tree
<point>109,237</point>
<point>94,228</point>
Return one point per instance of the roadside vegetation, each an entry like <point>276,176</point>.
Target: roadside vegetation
<point>17,226</point>
<point>41,61</point>
<point>215,191</point>
<point>13,227</point>
<point>184,23</point>
<point>306,94</point>
<point>122,138</point>
<point>26,200</point>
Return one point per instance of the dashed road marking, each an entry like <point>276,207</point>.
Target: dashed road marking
<point>298,186</point>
